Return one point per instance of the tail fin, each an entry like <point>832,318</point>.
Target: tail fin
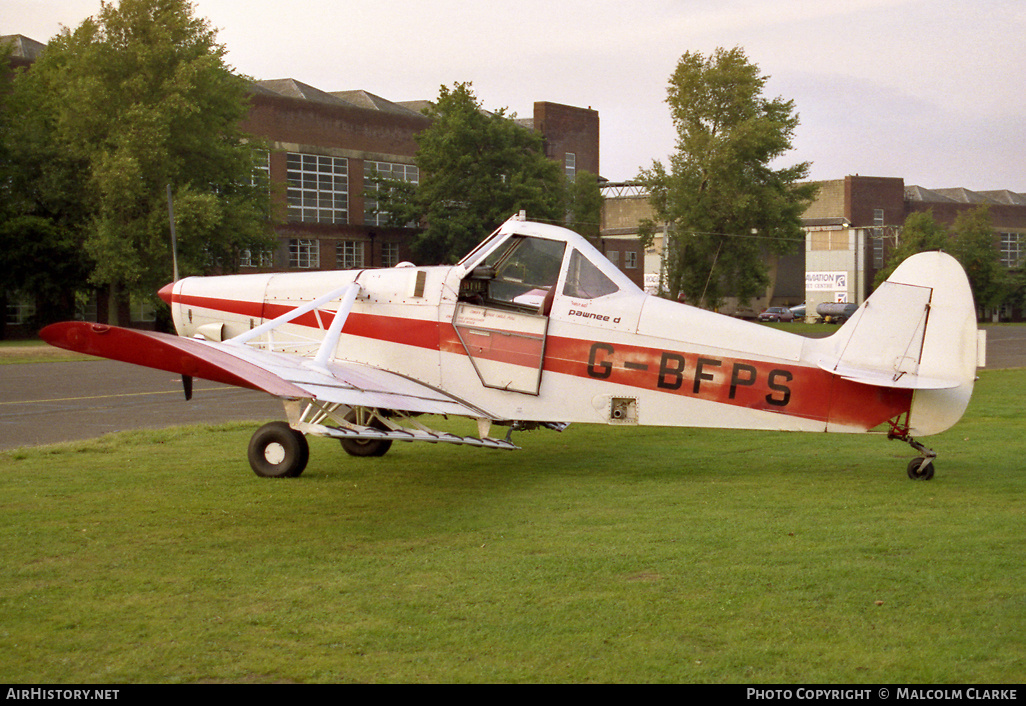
<point>917,331</point>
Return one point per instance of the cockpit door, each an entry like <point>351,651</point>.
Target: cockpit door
<point>502,316</point>
<point>506,347</point>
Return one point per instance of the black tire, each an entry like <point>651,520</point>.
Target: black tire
<point>920,469</point>
<point>277,450</point>
<point>365,448</point>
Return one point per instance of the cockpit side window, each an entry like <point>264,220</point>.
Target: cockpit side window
<point>586,281</point>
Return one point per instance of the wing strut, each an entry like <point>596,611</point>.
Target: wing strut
<point>296,313</point>
<point>330,341</point>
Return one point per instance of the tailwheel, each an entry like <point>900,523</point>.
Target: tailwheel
<point>277,450</point>
<point>920,469</point>
<point>366,417</point>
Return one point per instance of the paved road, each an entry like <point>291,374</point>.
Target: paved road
<point>44,403</point>
<point>1006,347</point>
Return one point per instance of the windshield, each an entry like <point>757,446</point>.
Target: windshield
<point>527,266</point>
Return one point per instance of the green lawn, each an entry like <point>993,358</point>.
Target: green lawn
<point>35,351</point>
<point>601,554</point>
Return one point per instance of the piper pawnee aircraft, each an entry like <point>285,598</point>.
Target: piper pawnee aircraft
<point>536,329</point>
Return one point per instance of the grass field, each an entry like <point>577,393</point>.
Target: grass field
<point>35,351</point>
<point>598,555</point>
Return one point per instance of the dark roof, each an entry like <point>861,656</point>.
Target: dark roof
<point>366,99</point>
<point>963,195</point>
<point>417,107</point>
<point>291,88</point>
<point>1005,196</point>
<point>24,48</point>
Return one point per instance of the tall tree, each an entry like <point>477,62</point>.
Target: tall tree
<point>41,255</point>
<point>584,204</point>
<point>476,170</point>
<point>727,207</point>
<point>920,233</point>
<point>137,98</point>
<point>975,245</point>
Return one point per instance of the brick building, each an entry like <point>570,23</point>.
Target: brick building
<point>323,149</point>
<point>855,223</point>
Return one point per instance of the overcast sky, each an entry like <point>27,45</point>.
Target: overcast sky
<point>927,90</point>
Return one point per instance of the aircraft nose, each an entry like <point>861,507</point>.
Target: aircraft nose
<point>166,292</point>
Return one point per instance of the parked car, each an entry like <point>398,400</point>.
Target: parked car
<point>798,312</point>
<point>776,313</point>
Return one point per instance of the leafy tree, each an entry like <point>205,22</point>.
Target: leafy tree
<point>726,206</point>
<point>920,233</point>
<point>476,170</point>
<point>975,245</point>
<point>972,241</point>
<point>40,254</point>
<point>1016,288</point>
<point>134,99</point>
<point>584,205</point>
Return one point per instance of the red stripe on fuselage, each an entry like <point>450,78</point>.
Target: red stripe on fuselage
<point>782,388</point>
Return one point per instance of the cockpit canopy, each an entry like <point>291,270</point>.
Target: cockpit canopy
<point>523,265</point>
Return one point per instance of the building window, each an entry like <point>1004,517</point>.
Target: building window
<point>630,260</point>
<point>878,251</point>
<point>261,169</point>
<point>85,306</point>
<point>878,217</point>
<point>318,188</point>
<point>829,240</point>
<point>389,254</point>
<point>570,165</point>
<point>304,254</point>
<point>349,254</point>
<point>384,170</point>
<point>264,258</point>
<point>20,311</point>
<point>142,310</point>
<point>614,257</point>
<point>1011,249</point>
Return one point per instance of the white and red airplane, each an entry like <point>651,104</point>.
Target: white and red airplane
<point>535,328</point>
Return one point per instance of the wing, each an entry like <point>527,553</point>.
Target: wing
<point>279,374</point>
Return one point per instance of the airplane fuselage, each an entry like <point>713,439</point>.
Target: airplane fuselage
<point>621,358</point>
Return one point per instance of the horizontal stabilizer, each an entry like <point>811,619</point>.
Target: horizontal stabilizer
<point>881,378</point>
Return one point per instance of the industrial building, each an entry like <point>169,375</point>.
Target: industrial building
<point>855,223</point>
<point>851,229</point>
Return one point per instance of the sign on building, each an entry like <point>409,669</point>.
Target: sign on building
<point>826,281</point>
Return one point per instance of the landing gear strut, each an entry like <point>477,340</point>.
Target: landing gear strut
<point>921,468</point>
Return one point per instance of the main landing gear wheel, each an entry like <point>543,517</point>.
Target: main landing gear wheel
<point>920,469</point>
<point>365,447</point>
<point>277,450</point>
